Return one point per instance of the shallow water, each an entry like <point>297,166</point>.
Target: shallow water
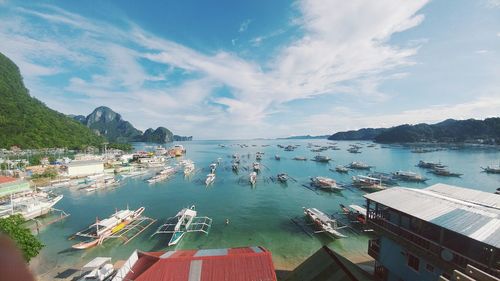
<point>258,216</point>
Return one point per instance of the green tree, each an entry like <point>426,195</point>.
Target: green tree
<point>13,227</point>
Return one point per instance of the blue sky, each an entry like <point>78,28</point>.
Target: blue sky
<point>245,69</point>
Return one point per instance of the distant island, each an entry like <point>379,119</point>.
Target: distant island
<point>109,124</point>
<point>485,131</point>
<point>306,137</point>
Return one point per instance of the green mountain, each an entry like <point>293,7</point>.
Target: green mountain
<point>361,134</point>
<point>452,131</point>
<point>471,130</point>
<point>28,123</point>
<point>109,124</point>
<point>160,135</point>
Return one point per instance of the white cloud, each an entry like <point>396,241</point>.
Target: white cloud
<point>343,43</point>
<point>482,51</point>
<point>244,25</point>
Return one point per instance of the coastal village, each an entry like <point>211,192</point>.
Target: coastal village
<point>416,234</point>
<point>305,140</point>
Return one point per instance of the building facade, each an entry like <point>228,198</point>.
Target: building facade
<point>423,234</point>
<point>85,168</point>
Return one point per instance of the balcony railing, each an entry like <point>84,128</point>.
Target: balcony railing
<point>459,261</point>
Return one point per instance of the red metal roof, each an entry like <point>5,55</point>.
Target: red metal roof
<point>235,264</point>
<point>4,179</point>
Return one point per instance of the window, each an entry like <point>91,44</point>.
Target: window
<point>429,267</point>
<point>413,262</point>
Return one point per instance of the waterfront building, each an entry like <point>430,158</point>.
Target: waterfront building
<point>423,234</point>
<point>247,263</point>
<point>10,185</point>
<point>85,168</point>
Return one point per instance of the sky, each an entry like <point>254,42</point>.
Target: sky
<point>228,69</point>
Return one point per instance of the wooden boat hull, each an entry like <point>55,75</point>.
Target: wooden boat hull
<point>85,245</point>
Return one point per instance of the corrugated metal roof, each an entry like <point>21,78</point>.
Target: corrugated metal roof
<point>472,213</point>
<point>245,264</point>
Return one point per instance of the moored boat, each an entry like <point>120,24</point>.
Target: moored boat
<point>324,222</point>
<point>444,172</point>
<point>282,177</point>
<point>210,179</point>
<point>256,166</point>
<point>409,176</point>
<point>253,178</point>
<point>322,158</point>
<point>492,169</point>
<point>324,183</point>
<point>359,166</point>
<point>342,169</point>
<point>103,229</point>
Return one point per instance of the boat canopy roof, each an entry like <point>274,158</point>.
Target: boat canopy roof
<point>358,208</point>
<point>320,215</point>
<point>96,263</point>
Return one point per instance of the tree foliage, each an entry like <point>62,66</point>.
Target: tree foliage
<point>13,227</point>
<point>28,123</point>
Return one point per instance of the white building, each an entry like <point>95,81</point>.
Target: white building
<point>82,168</point>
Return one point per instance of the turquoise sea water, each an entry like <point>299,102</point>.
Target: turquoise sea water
<point>259,215</point>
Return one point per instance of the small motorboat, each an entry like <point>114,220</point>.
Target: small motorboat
<point>282,177</point>
<point>342,169</point>
<point>326,184</point>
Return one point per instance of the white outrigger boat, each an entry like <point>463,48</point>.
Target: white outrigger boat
<point>253,178</point>
<point>327,184</point>
<point>256,166</point>
<point>213,167</point>
<point>324,222</point>
<point>409,176</point>
<point>342,169</point>
<point>210,179</point>
<point>106,228</point>
<point>188,168</point>
<point>492,169</point>
<point>367,183</point>
<point>359,166</point>
<point>162,175</point>
<point>185,221</point>
<point>30,206</point>
<point>282,177</point>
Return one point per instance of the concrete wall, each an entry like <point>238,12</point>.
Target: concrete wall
<point>393,257</point>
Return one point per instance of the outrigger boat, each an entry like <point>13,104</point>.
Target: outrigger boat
<point>253,178</point>
<point>384,178</point>
<point>356,215</point>
<point>185,221</point>
<point>324,222</point>
<point>322,158</point>
<point>258,156</point>
<point>342,169</point>
<point>256,166</point>
<point>103,229</point>
<point>429,165</point>
<point>300,158</point>
<point>235,166</point>
<point>367,183</point>
<point>324,183</point>
<point>162,175</point>
<point>359,166</point>
<point>409,176</point>
<point>492,169</point>
<point>188,168</point>
<point>282,177</point>
<point>213,167</point>
<point>210,179</point>
<point>31,206</point>
<point>277,157</point>
<point>444,172</point>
